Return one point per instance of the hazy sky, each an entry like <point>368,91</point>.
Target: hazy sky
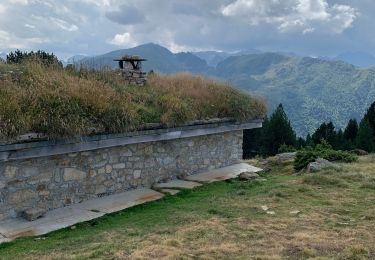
<point>308,27</point>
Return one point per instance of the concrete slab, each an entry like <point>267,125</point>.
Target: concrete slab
<point>3,239</point>
<point>54,220</point>
<point>68,216</point>
<point>224,173</point>
<point>117,202</point>
<point>178,184</point>
<point>170,191</point>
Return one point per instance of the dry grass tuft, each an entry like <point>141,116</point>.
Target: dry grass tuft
<point>60,102</point>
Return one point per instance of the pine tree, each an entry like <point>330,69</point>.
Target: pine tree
<point>365,139</point>
<point>276,132</point>
<point>327,132</point>
<point>350,135</point>
<point>370,117</point>
<point>351,130</point>
<point>309,141</point>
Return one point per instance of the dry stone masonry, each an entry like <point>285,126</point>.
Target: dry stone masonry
<point>131,69</point>
<point>59,180</point>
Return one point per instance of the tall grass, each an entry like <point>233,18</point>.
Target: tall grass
<point>60,102</point>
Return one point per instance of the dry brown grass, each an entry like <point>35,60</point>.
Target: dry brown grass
<point>60,102</point>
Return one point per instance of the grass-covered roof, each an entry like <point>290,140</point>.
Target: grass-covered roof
<point>61,102</point>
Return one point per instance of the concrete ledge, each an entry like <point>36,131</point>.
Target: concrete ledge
<point>71,215</point>
<point>40,149</point>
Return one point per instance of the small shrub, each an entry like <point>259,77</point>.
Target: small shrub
<point>322,150</point>
<point>286,149</point>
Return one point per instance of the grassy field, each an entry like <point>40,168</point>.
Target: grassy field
<point>225,220</point>
<point>61,102</point>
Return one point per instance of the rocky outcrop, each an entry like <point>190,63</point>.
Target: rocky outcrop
<point>320,164</point>
<point>284,157</point>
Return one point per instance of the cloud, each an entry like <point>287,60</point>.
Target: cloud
<point>68,27</point>
<point>185,9</point>
<point>9,40</point>
<point>21,2</point>
<point>124,39</point>
<point>305,16</point>
<point>2,9</point>
<point>126,15</point>
<point>64,25</point>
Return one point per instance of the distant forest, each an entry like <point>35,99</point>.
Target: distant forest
<point>277,135</point>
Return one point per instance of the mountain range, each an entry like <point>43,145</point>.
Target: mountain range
<point>312,90</point>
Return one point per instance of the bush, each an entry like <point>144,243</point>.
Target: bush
<point>286,149</point>
<point>322,150</point>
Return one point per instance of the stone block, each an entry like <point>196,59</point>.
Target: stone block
<point>108,168</point>
<point>72,174</point>
<point>22,196</point>
<point>137,174</point>
<point>10,171</point>
<point>119,166</point>
<point>101,170</point>
<point>33,214</point>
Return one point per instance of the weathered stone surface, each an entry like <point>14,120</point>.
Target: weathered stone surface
<point>180,184</point>
<point>10,171</point>
<point>170,191</point>
<point>248,176</point>
<point>72,174</point>
<point>22,196</point>
<point>223,173</point>
<point>119,166</point>
<point>320,164</point>
<point>284,157</point>
<point>33,214</point>
<point>359,152</point>
<point>137,174</point>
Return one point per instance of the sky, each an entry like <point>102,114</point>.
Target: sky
<point>93,27</point>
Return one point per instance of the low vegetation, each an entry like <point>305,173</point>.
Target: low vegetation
<point>325,215</point>
<point>323,150</point>
<point>60,102</point>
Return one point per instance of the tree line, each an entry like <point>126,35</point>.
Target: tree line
<point>277,135</point>
<point>45,58</point>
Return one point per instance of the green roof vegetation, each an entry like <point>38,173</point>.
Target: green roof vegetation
<point>66,102</point>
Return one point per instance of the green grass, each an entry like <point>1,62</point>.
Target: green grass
<point>61,102</point>
<point>225,220</point>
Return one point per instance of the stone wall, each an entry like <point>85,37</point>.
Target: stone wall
<point>55,181</point>
<point>135,77</point>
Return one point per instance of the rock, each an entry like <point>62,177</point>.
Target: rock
<point>295,212</point>
<point>10,171</point>
<point>33,214</point>
<point>270,212</point>
<point>284,157</point>
<point>247,176</point>
<point>72,174</point>
<point>137,174</point>
<point>320,164</point>
<point>265,170</point>
<point>359,152</point>
<point>265,208</point>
